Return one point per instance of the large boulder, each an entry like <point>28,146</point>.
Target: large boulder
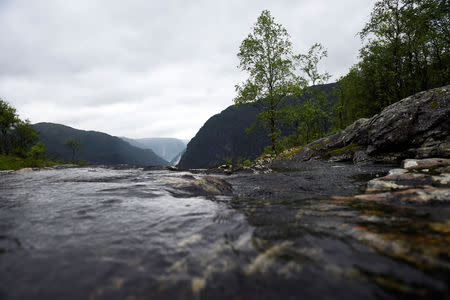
<point>417,126</point>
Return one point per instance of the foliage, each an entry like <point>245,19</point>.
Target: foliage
<point>74,145</point>
<point>290,152</point>
<point>266,54</point>
<point>8,119</point>
<point>38,151</point>
<point>240,161</point>
<point>347,149</point>
<point>228,160</point>
<point>309,117</point>
<point>23,137</point>
<point>11,162</point>
<point>82,162</point>
<point>406,50</point>
<point>16,136</point>
<point>308,64</point>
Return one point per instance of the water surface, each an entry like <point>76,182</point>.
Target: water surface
<point>100,233</point>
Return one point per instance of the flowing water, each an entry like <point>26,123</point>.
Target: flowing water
<point>100,233</point>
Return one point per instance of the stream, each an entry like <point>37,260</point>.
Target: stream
<point>105,233</point>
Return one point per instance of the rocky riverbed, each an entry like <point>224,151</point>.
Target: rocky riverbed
<point>135,233</point>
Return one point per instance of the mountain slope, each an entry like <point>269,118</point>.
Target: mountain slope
<point>96,147</point>
<point>224,136</point>
<point>167,148</point>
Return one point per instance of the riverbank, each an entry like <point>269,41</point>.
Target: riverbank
<point>9,162</point>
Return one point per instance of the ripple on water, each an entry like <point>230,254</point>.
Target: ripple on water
<point>109,234</point>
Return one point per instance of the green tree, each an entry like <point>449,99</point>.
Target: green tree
<point>8,119</point>
<point>406,49</point>
<point>309,63</point>
<point>309,117</point>
<point>266,55</point>
<point>23,137</point>
<point>38,152</point>
<point>74,145</point>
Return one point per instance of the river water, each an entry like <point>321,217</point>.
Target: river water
<point>102,233</point>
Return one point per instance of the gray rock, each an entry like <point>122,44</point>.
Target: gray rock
<point>410,195</point>
<point>399,182</point>
<point>397,171</point>
<point>417,126</point>
<point>425,163</point>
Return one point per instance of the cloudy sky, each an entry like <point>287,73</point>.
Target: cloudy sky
<point>150,68</point>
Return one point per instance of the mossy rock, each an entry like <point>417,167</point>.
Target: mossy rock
<point>289,153</point>
<point>321,144</point>
<point>344,150</point>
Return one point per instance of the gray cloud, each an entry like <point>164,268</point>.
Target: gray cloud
<point>150,68</point>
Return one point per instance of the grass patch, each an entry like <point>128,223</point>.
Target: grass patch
<point>8,162</point>
<point>290,152</point>
<point>349,148</point>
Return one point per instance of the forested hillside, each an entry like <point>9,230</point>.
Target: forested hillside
<point>96,147</point>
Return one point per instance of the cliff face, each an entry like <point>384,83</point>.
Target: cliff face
<point>417,126</point>
<point>224,136</point>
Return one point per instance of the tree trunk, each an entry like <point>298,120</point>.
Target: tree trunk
<point>272,134</point>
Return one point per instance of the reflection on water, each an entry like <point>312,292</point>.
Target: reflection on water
<point>95,233</point>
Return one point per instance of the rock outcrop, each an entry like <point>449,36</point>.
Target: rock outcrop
<point>417,126</point>
<point>418,181</point>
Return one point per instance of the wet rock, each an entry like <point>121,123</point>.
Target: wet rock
<point>397,171</point>
<point>441,180</point>
<point>361,158</point>
<point>24,170</point>
<point>410,195</point>
<point>214,185</point>
<point>189,186</point>
<point>6,172</point>
<point>418,184</point>
<point>158,168</point>
<point>65,166</point>
<point>416,126</point>
<point>422,177</point>
<point>227,169</point>
<point>262,164</point>
<point>422,248</point>
<point>399,182</point>
<point>427,163</point>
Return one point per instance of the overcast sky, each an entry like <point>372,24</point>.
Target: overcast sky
<point>150,68</point>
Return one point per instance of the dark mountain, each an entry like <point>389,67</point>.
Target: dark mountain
<point>96,147</point>
<point>167,148</point>
<point>224,136</point>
